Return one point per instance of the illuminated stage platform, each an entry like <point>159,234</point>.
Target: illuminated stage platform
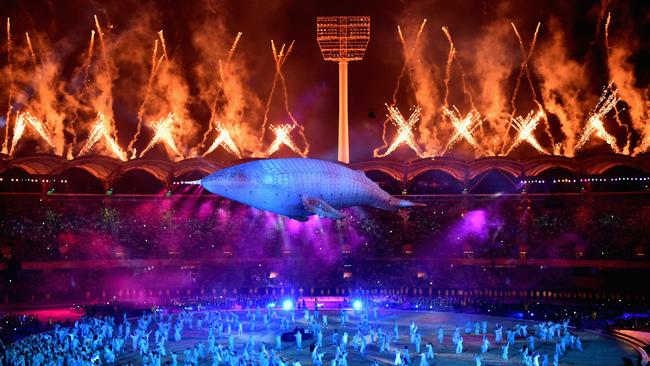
<point>325,302</point>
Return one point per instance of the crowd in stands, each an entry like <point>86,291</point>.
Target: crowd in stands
<point>206,243</point>
<point>68,228</point>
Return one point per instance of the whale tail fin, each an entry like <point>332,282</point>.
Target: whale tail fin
<point>400,203</point>
<point>191,182</point>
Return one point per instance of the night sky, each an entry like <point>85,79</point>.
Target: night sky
<point>61,30</point>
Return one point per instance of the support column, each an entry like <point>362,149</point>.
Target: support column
<point>344,140</point>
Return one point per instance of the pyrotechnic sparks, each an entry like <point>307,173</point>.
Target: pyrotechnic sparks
<point>33,82</point>
<point>619,73</point>
<point>409,53</point>
<point>283,137</point>
<point>616,116</point>
<point>11,88</point>
<point>163,43</point>
<point>19,129</point>
<point>100,33</point>
<point>279,57</point>
<point>163,132</point>
<point>31,48</point>
<point>221,88</point>
<point>526,126</point>
<point>404,132</point>
<point>91,46</point>
<point>100,129</point>
<point>408,56</point>
<point>463,127</point>
<point>604,4</point>
<point>104,83</point>
<point>524,68</point>
<point>22,120</point>
<point>89,56</point>
<point>594,124</point>
<point>450,58</point>
<point>223,139</point>
<point>154,66</point>
<point>77,99</point>
<point>234,46</point>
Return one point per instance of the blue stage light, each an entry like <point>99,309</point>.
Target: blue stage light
<point>270,305</point>
<point>357,304</point>
<point>287,304</point>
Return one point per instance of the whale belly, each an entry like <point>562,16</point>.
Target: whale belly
<point>276,200</point>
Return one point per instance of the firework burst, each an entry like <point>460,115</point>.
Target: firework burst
<point>404,132</point>
<point>221,92</point>
<point>463,127</point>
<point>524,69</point>
<point>101,130</point>
<point>163,132</point>
<point>594,125</point>
<point>525,127</point>
<point>283,137</point>
<point>279,58</point>
<point>223,139</point>
<point>23,119</point>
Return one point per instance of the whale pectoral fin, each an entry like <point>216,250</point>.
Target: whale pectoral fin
<point>321,208</point>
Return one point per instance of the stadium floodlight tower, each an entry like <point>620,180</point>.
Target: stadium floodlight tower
<point>343,39</point>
